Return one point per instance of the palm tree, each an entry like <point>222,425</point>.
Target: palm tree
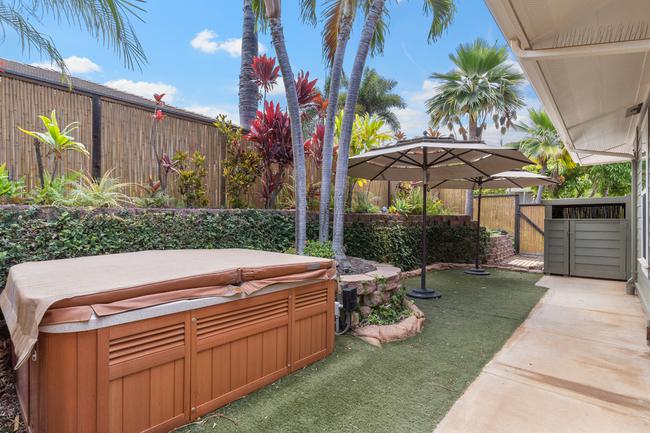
<point>338,17</point>
<point>248,94</point>
<point>482,84</point>
<point>274,18</point>
<point>375,98</point>
<point>543,145</point>
<point>373,28</point>
<point>106,20</point>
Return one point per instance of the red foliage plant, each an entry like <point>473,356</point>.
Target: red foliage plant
<point>314,145</point>
<point>270,131</point>
<point>307,93</point>
<point>265,73</point>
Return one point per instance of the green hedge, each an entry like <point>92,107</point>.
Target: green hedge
<point>401,244</point>
<point>29,234</point>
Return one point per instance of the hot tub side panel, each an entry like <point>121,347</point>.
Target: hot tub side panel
<point>157,374</point>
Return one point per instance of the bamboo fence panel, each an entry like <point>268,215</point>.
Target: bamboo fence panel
<point>530,240</point>
<point>21,103</point>
<point>497,212</point>
<point>454,200</point>
<point>126,148</point>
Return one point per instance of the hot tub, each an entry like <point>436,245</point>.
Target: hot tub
<point>150,341</point>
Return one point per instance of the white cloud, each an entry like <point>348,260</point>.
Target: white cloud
<point>231,111</point>
<point>144,89</point>
<point>75,64</point>
<point>278,89</point>
<point>205,41</point>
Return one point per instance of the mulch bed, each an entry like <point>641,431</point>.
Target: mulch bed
<point>10,420</point>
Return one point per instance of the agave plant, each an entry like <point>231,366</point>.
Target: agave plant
<point>57,141</point>
<point>106,191</point>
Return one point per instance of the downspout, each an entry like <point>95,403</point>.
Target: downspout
<point>630,287</point>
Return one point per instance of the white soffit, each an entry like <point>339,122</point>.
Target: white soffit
<point>588,62</point>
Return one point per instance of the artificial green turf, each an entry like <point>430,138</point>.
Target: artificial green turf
<point>402,387</point>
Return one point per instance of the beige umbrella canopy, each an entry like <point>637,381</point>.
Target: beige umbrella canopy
<point>444,158</point>
<point>506,179</point>
<point>434,159</point>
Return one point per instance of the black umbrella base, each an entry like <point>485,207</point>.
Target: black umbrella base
<point>477,271</point>
<point>423,294</point>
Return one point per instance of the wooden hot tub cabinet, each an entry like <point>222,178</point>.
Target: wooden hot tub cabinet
<point>159,373</point>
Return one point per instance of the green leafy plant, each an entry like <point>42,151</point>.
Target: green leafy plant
<point>241,167</point>
<point>10,190</point>
<point>106,191</point>
<point>315,249</point>
<point>287,199</point>
<point>57,141</point>
<point>191,178</point>
<point>389,312</point>
<point>54,189</point>
<point>408,201</point>
<point>364,203</point>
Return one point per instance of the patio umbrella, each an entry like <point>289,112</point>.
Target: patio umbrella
<point>433,158</point>
<point>506,179</point>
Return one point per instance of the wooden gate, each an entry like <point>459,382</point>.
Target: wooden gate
<point>529,228</point>
<point>587,248</point>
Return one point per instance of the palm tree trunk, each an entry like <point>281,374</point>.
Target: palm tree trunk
<point>368,31</point>
<point>540,189</point>
<point>300,177</point>
<point>328,139</point>
<point>469,194</point>
<point>248,93</point>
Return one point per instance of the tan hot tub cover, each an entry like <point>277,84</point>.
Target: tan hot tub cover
<point>67,290</point>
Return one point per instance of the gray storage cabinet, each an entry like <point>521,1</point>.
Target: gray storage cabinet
<point>587,238</point>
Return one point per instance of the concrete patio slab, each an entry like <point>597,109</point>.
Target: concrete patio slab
<point>579,363</point>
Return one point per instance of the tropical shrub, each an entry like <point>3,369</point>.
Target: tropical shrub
<point>105,191</point>
<point>408,201</point>
<point>55,189</point>
<point>315,249</point>
<point>56,141</point>
<point>271,133</point>
<point>364,203</point>
<point>10,190</point>
<point>241,167</point>
<point>191,178</point>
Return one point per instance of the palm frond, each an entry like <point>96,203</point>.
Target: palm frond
<point>443,12</point>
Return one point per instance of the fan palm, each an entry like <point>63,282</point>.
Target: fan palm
<point>482,84</point>
<point>374,28</point>
<point>375,98</point>
<point>106,20</point>
<point>542,144</point>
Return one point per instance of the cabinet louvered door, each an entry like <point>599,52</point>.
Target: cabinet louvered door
<point>313,323</point>
<point>238,347</point>
<point>147,375</point>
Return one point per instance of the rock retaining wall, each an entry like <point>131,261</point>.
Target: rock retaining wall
<point>500,249</point>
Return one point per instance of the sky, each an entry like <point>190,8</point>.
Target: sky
<point>193,51</point>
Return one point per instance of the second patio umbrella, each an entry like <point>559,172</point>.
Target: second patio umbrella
<point>506,179</point>
<point>433,158</point>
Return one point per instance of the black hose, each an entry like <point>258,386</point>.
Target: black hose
<point>348,322</point>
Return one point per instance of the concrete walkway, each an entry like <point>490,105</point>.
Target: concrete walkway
<point>579,363</point>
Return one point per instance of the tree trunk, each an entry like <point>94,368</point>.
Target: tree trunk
<point>368,31</point>
<point>248,92</point>
<point>300,177</point>
<point>540,189</point>
<point>39,163</point>
<point>469,194</point>
<point>328,139</point>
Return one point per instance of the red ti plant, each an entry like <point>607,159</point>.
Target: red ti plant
<point>265,73</point>
<point>307,93</point>
<point>314,145</point>
<point>161,158</point>
<point>271,133</point>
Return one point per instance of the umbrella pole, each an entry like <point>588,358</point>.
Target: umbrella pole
<point>423,292</point>
<point>477,270</point>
